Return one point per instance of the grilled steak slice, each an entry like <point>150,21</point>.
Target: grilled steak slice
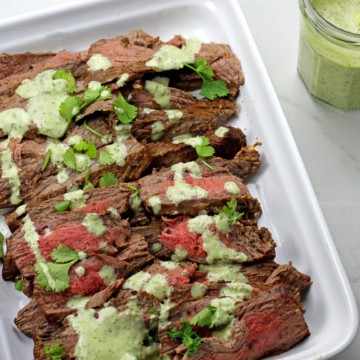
<point>267,324</point>
<point>195,120</point>
<point>203,241</point>
<point>98,200</point>
<point>136,162</point>
<point>63,59</point>
<point>188,188</point>
<point>61,228</point>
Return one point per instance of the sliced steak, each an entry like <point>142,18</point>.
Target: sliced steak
<point>174,191</point>
<point>206,243</point>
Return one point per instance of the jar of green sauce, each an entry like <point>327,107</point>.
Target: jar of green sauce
<point>329,51</point>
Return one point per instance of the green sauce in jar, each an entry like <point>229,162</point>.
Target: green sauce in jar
<point>329,51</point>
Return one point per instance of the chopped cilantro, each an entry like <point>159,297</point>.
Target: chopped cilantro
<point>55,276</point>
<point>1,245</point>
<point>19,285</point>
<point>88,147</point>
<point>63,254</point>
<point>68,76</point>
<point>108,179</point>
<point>230,211</point>
<point>125,112</point>
<point>56,351</point>
<point>211,89</point>
<point>187,336</point>
<point>86,126</point>
<point>70,159</point>
<point>205,318</point>
<point>105,158</point>
<point>133,188</point>
<point>46,160</point>
<point>153,311</point>
<point>204,150</point>
<point>70,107</point>
<point>92,94</point>
<point>62,206</point>
<point>88,184</point>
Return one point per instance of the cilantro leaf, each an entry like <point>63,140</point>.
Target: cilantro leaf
<point>203,69</point>
<point>88,185</point>
<point>124,111</point>
<point>108,179</point>
<point>93,93</point>
<point>230,211</point>
<point>63,254</point>
<point>90,96</point>
<point>213,89</point>
<point>1,245</point>
<point>70,107</point>
<point>87,146</point>
<point>187,336</point>
<point>70,159</point>
<point>46,160</point>
<point>55,276</point>
<point>56,351</point>
<point>66,75</point>
<point>105,158</point>
<point>205,149</point>
<point>205,318</point>
<point>62,206</point>
<point>19,285</point>
<point>153,311</point>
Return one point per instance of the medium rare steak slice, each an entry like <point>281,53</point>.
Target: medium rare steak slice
<point>210,239</point>
<point>268,324</point>
<point>34,242</point>
<point>188,188</point>
<point>135,161</point>
<point>98,200</point>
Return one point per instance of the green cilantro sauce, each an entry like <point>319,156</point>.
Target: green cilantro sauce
<point>170,265</point>
<point>232,187</point>
<point>181,190</point>
<point>32,239</point>
<point>94,224</point>
<point>157,130</point>
<point>179,254</point>
<point>170,57</point>
<point>118,152</point>
<point>99,62</point>
<point>10,171</point>
<point>44,98</point>
<point>215,249</point>
<point>221,131</point>
<point>198,290</point>
<point>156,285</point>
<point>21,210</point>
<point>14,122</point>
<point>122,80</point>
<point>111,335</point>
<point>80,271</point>
<point>192,141</point>
<point>78,302</point>
<point>107,273</point>
<point>329,66</point>
<point>224,272</point>
<point>123,132</point>
<point>164,313</point>
<point>155,203</point>
<point>159,89</point>
<point>77,199</point>
<point>174,116</point>
<point>156,247</point>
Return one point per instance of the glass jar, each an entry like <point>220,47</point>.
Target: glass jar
<point>329,60</point>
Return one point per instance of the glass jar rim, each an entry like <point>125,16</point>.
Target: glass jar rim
<point>328,27</point>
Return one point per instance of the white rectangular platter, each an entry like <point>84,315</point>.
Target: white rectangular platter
<point>291,210</point>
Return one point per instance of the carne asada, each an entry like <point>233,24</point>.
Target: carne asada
<point>134,233</point>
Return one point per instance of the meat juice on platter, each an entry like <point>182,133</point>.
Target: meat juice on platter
<point>134,234</point>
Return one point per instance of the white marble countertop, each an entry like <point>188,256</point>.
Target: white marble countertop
<point>327,138</point>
